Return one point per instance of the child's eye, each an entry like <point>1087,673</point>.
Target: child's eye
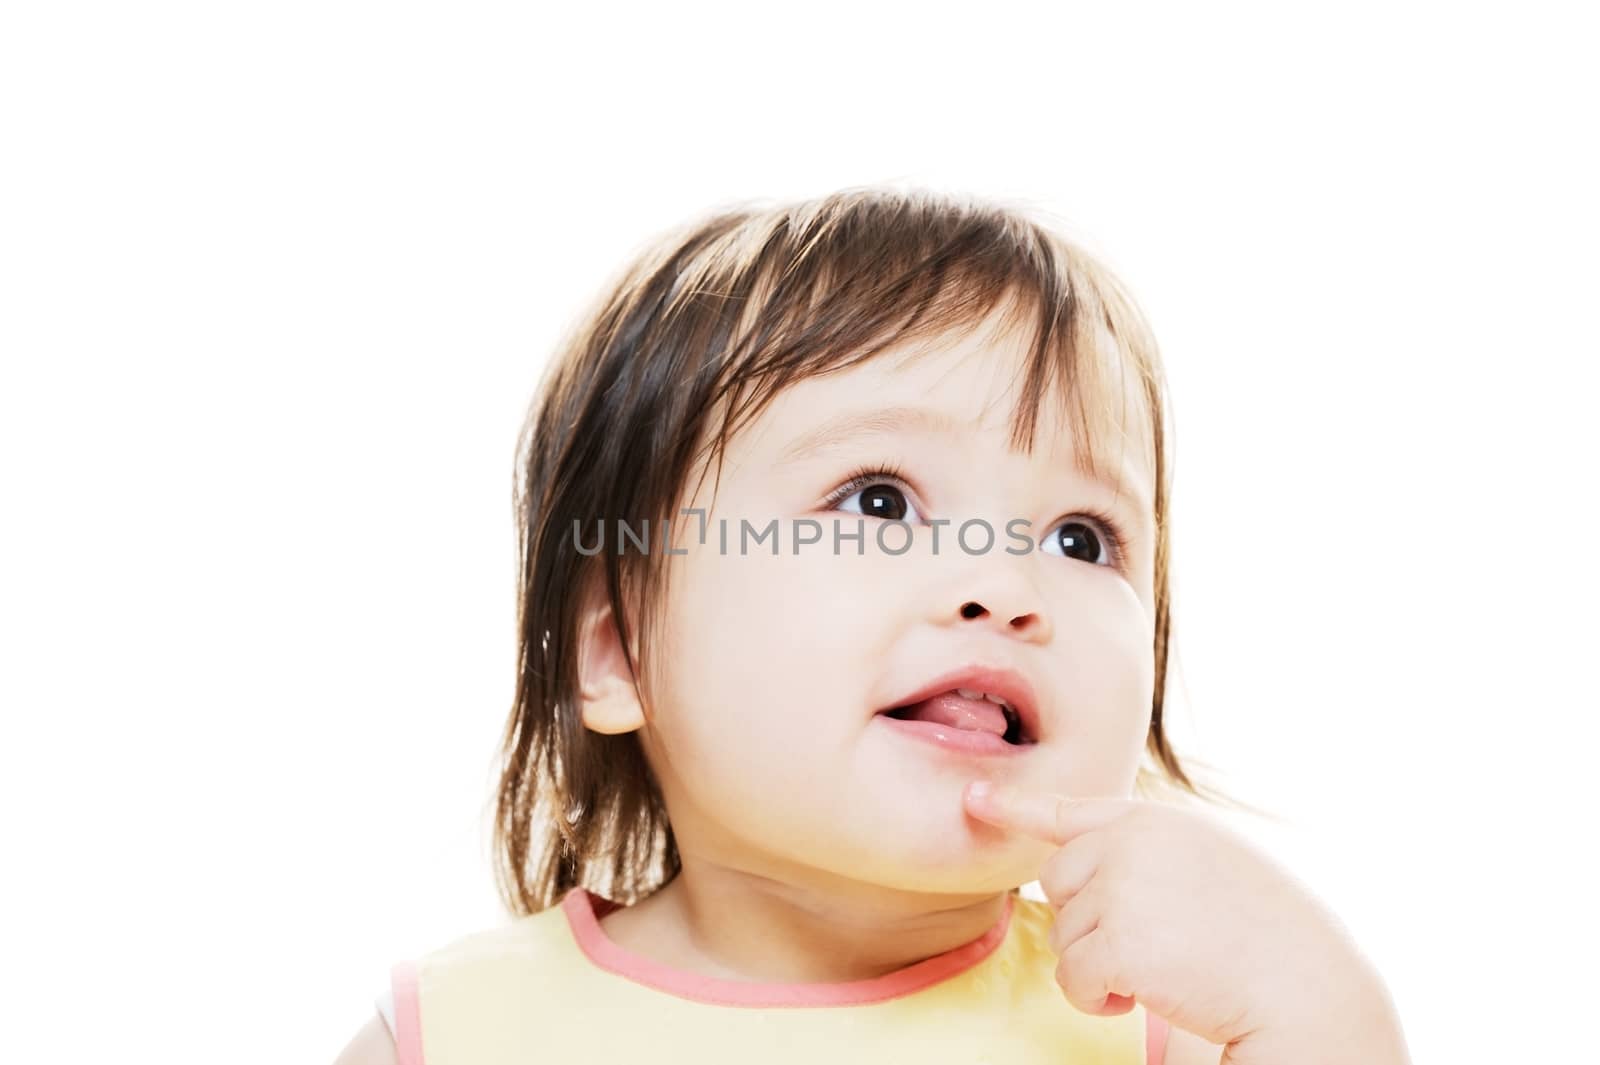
<point>882,493</point>
<point>1074,538</point>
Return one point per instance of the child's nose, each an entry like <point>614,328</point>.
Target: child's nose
<point>1030,622</point>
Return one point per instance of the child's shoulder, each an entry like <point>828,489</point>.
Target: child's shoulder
<point>482,974</point>
<point>509,933</point>
<point>517,942</point>
<point>472,980</point>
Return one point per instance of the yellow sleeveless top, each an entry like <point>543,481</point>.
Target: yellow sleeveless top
<point>552,987</point>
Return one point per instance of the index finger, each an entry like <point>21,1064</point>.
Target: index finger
<point>1042,815</point>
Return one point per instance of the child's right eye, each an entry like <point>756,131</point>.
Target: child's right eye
<point>882,496</point>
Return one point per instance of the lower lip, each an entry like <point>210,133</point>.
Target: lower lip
<point>955,740</point>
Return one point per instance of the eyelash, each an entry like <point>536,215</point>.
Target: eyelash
<point>863,476</point>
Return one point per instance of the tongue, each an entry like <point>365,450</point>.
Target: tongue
<point>974,715</point>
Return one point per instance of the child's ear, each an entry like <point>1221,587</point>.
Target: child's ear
<point>605,687</point>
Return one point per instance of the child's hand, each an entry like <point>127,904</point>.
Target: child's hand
<point>1163,906</point>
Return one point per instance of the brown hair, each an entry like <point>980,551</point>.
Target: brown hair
<point>693,339</point>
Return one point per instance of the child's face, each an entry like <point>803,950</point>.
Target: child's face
<point>771,671</point>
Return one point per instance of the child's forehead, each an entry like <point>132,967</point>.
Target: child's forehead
<point>973,382</point>
<point>965,386</point>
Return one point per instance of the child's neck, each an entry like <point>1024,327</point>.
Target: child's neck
<point>731,925</point>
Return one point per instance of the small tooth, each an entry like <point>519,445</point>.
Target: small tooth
<point>968,693</point>
<point>995,699</point>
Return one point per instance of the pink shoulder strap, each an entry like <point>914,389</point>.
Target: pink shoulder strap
<point>407,1016</point>
<point>1155,1039</point>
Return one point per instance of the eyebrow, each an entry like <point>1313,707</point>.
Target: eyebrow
<point>842,431</point>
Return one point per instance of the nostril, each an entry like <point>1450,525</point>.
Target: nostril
<point>973,610</point>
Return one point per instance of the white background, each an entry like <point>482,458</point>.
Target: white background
<point>276,282</point>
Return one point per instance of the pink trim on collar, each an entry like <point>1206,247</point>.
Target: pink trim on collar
<point>584,910</point>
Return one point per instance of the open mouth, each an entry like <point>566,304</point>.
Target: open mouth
<point>968,710</point>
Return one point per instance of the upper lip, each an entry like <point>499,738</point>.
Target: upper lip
<point>1007,683</point>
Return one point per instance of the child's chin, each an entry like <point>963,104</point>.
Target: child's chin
<point>975,882</point>
<point>947,863</point>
